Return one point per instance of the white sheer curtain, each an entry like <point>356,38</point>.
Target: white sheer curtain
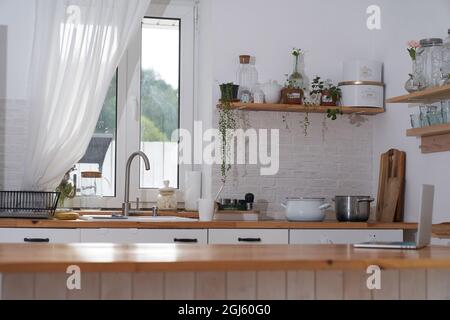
<point>77,47</point>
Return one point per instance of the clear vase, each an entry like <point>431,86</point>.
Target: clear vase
<point>296,79</point>
<point>416,81</point>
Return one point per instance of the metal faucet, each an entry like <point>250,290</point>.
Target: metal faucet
<point>126,205</point>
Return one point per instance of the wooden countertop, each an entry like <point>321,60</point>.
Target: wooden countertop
<point>269,224</point>
<point>178,257</point>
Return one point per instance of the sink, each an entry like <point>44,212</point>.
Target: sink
<point>111,218</point>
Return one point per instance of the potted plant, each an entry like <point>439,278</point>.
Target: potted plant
<point>229,91</point>
<point>226,123</point>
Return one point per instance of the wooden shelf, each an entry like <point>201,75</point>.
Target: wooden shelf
<point>429,131</point>
<point>302,108</point>
<point>426,96</point>
<point>433,138</point>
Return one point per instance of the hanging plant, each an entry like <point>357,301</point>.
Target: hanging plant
<point>227,123</point>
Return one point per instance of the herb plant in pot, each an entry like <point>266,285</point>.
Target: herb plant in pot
<point>229,91</point>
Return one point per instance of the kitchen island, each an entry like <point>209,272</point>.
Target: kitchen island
<point>181,271</point>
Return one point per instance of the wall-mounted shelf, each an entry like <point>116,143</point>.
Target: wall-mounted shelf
<point>302,108</point>
<point>425,96</point>
<point>434,138</point>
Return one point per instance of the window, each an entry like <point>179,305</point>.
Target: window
<point>100,155</point>
<point>160,77</point>
<point>150,96</point>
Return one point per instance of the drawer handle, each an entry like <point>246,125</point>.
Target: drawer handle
<point>249,239</point>
<point>185,240</point>
<point>36,239</point>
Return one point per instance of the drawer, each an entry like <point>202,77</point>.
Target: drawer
<point>199,236</point>
<point>109,235</point>
<point>248,236</point>
<point>21,235</point>
<point>440,241</point>
<point>305,236</point>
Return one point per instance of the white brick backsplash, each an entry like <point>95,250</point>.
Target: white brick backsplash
<point>13,135</point>
<point>338,162</point>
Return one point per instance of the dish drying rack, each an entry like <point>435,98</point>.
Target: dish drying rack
<point>28,204</point>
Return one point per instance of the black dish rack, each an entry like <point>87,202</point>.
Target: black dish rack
<point>28,204</point>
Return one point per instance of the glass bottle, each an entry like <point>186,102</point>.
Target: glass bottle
<point>247,76</point>
<point>446,56</point>
<point>430,57</point>
<point>296,79</point>
<point>416,79</point>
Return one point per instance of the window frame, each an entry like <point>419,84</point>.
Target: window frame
<point>129,108</point>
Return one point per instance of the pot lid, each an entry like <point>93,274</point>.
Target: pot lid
<point>304,198</point>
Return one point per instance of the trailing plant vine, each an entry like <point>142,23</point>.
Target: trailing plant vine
<point>227,123</point>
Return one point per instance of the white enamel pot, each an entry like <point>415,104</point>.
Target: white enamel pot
<point>305,209</point>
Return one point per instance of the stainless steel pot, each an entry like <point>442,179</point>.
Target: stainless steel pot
<point>352,208</point>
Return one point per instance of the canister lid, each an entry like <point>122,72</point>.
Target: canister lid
<point>244,59</point>
<point>358,83</point>
<point>429,42</point>
<point>91,174</point>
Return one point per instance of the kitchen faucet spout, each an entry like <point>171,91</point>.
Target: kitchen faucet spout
<point>126,206</point>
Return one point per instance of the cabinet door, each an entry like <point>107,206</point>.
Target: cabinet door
<point>109,235</point>
<point>309,236</point>
<point>248,236</point>
<point>440,241</point>
<point>35,235</point>
<point>193,236</point>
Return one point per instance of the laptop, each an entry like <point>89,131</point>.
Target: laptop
<point>423,235</point>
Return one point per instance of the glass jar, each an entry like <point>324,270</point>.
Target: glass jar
<point>430,59</point>
<point>446,56</point>
<point>247,75</point>
<point>167,199</point>
<point>91,189</point>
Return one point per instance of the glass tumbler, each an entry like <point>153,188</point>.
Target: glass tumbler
<point>415,120</point>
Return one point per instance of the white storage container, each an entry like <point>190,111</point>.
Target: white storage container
<point>362,70</point>
<point>362,94</point>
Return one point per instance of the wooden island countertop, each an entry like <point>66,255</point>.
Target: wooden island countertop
<point>92,257</point>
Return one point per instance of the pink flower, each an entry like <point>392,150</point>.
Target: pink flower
<point>413,44</point>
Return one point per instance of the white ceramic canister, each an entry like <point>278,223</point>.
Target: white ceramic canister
<point>362,70</point>
<point>362,94</point>
<point>272,91</point>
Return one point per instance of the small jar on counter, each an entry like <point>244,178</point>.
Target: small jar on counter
<point>167,198</point>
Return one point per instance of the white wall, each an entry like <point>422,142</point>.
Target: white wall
<point>332,31</point>
<point>16,29</point>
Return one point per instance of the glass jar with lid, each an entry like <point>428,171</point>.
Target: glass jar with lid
<point>247,76</point>
<point>167,198</point>
<point>446,56</point>
<point>91,189</point>
<point>430,58</point>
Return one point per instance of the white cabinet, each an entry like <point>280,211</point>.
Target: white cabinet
<point>248,236</point>
<point>145,235</point>
<point>109,235</point>
<point>193,236</point>
<point>320,236</point>
<point>34,235</point>
<point>440,242</point>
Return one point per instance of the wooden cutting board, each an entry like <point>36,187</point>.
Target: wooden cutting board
<point>391,186</point>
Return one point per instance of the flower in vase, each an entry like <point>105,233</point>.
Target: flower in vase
<point>413,45</point>
<point>296,52</point>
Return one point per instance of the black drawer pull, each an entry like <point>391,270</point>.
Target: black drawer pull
<point>185,240</point>
<point>36,239</point>
<point>249,239</point>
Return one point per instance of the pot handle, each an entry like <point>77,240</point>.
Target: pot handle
<point>283,204</point>
<point>325,206</point>
<point>366,200</point>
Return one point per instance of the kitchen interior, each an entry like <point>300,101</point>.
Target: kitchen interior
<point>349,100</point>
